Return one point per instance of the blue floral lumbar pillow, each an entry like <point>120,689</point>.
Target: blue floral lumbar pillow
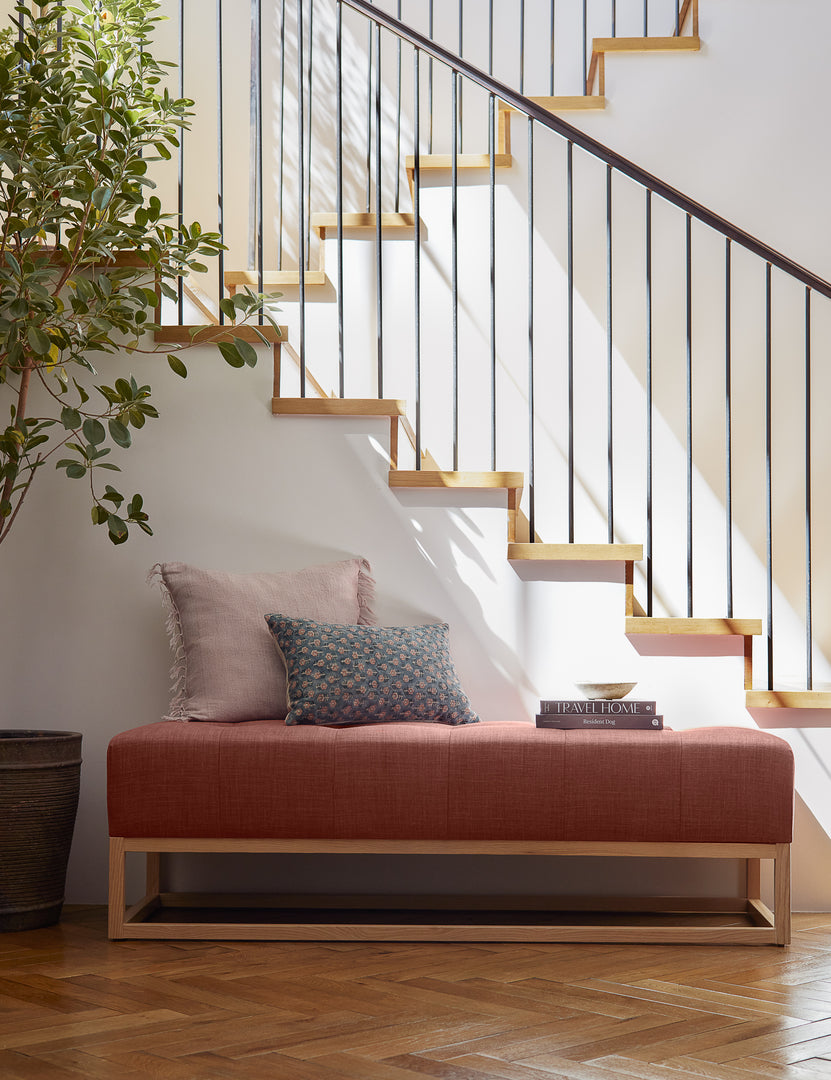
<point>349,674</point>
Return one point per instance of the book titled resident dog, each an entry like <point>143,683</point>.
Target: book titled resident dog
<point>597,722</point>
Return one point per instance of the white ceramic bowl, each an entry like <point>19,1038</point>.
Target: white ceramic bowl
<point>608,690</point>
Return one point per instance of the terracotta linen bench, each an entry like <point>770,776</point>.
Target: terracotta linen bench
<point>417,788</point>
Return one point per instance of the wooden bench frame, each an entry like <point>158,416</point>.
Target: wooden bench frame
<point>761,927</point>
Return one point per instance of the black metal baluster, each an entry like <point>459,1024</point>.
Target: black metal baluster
<point>220,160</point>
<point>459,77</point>
<point>454,261</point>
<point>677,17</point>
<point>551,50</point>
<point>809,651</point>
<point>610,453</point>
<point>58,235</point>
<point>689,424</point>
<point>369,119</point>
<point>490,37</point>
<point>614,18</point>
<point>379,268</point>
<point>180,216</point>
<point>260,201</point>
<point>522,46</point>
<point>570,186</point>
<point>585,49</point>
<point>339,196</point>
<point>398,122</point>
<point>417,253</point>
<point>430,85</point>
<point>301,187</point>
<point>531,403</point>
<point>280,132</point>
<point>492,250</point>
<point>645,18</point>
<point>769,470</point>
<point>649,478</point>
<point>728,416</point>
<point>310,140</point>
<point>253,195</point>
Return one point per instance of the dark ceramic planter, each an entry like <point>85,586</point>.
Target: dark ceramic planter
<point>40,776</point>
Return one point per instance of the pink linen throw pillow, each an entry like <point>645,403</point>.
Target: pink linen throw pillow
<point>225,665</point>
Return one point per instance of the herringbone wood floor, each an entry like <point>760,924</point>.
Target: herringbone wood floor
<point>74,1005</point>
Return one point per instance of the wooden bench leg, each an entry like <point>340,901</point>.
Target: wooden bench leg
<point>753,873</point>
<point>782,894</point>
<point>115,926</point>
<point>153,875</point>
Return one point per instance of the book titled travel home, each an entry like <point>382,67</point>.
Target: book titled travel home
<point>597,707</point>
<point>597,722</point>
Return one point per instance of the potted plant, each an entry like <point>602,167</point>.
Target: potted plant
<point>86,254</point>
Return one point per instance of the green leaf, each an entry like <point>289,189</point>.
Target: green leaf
<point>70,418</point>
<point>231,354</point>
<point>226,306</point>
<point>39,343</point>
<point>117,528</point>
<point>119,433</point>
<point>76,471</point>
<point>261,336</point>
<point>177,365</point>
<point>99,515</point>
<point>246,351</point>
<point>101,197</point>
<point>17,309</point>
<point>94,432</point>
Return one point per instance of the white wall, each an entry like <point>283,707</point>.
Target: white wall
<point>230,486</point>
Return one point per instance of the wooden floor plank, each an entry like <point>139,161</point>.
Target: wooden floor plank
<point>491,1067</point>
<point>73,1005</point>
<point>746,1070</point>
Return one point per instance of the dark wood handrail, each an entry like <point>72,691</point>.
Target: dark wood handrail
<point>593,147</point>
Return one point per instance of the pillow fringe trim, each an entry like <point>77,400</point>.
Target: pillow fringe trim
<point>366,594</point>
<point>173,626</point>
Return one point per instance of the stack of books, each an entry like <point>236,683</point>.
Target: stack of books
<point>599,714</point>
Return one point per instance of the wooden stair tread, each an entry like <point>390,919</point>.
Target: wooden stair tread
<point>118,258</point>
<point>397,223</point>
<point>337,406</point>
<point>274,277</point>
<point>576,552</point>
<point>175,335</point>
<point>463,161</point>
<point>563,103</point>
<point>428,478</point>
<point>788,699</point>
<point>726,627</point>
<point>691,43</point>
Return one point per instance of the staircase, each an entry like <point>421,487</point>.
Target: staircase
<point>438,184</point>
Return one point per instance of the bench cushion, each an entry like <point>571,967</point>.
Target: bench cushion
<point>487,781</point>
